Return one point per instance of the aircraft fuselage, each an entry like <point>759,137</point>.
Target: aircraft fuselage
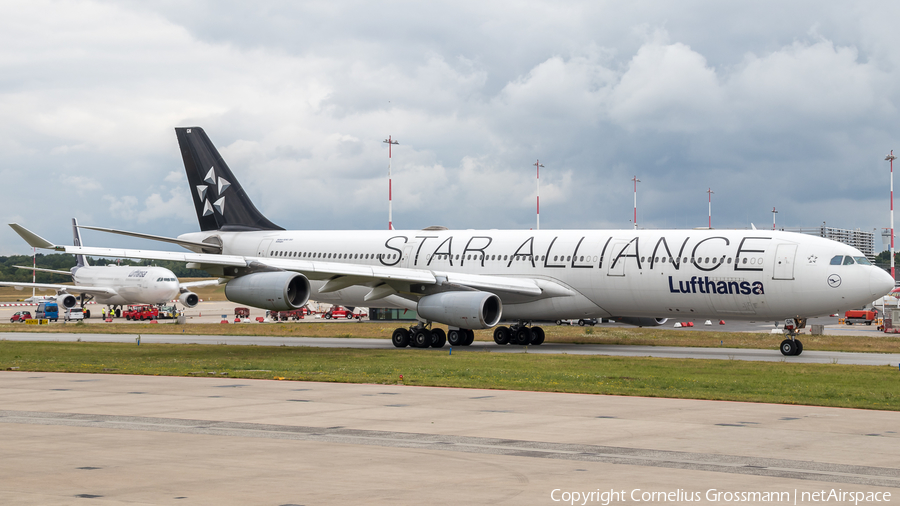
<point>732,274</point>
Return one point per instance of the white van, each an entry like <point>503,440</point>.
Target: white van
<point>74,313</point>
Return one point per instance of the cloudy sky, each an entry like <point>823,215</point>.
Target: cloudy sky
<point>789,105</point>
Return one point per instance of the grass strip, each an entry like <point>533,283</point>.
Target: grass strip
<point>833,385</point>
<point>613,334</point>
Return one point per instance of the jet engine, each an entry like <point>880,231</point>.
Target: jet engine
<point>276,291</point>
<point>643,322</point>
<point>189,299</point>
<point>66,300</point>
<point>466,310</point>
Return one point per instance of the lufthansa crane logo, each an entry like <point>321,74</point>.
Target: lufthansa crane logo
<point>219,184</point>
<point>834,281</point>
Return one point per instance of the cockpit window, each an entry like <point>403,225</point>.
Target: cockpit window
<point>837,260</point>
<point>848,260</point>
<point>862,260</point>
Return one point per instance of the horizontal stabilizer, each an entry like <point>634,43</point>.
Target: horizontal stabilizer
<point>207,247</point>
<point>33,240</point>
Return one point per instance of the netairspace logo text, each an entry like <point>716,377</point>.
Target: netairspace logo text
<point>607,497</point>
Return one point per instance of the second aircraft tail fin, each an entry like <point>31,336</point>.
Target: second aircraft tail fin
<point>80,260</point>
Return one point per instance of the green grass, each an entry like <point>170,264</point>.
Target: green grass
<point>773,382</point>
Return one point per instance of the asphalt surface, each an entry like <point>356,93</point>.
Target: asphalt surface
<point>119,439</point>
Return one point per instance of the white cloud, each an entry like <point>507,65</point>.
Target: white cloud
<point>769,103</point>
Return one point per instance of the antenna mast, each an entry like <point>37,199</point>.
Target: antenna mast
<point>390,142</point>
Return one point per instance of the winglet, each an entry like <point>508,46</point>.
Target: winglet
<point>34,240</point>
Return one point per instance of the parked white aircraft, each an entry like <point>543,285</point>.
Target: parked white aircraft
<point>474,279</point>
<point>115,285</point>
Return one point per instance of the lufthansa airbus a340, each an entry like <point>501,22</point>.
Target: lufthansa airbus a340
<point>475,279</point>
<point>112,285</point>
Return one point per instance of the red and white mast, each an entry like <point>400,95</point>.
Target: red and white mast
<point>710,192</point>
<point>636,181</point>
<point>390,142</point>
<point>891,158</point>
<point>33,270</point>
<point>538,166</point>
<point>774,212</point>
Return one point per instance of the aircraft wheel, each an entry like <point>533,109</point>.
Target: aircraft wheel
<point>501,335</point>
<point>470,337</point>
<point>438,338</point>
<point>400,338</point>
<point>538,336</point>
<point>456,337</point>
<point>799,347</point>
<point>422,338</point>
<point>788,348</point>
<point>523,336</point>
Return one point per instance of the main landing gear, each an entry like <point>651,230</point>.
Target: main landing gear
<point>519,334</point>
<point>421,336</point>
<point>792,346</point>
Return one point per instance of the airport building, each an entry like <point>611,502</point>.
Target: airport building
<point>859,239</point>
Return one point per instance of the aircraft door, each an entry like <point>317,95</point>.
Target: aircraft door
<point>263,249</point>
<point>409,252</point>
<point>784,261</point>
<point>616,263</point>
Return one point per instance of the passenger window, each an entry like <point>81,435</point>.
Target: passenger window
<point>837,260</point>
<point>848,260</point>
<point>862,260</point>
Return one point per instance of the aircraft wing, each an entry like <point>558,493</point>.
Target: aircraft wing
<point>92,290</point>
<point>53,271</point>
<point>341,275</point>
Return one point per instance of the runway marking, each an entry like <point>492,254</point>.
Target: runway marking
<point>733,464</point>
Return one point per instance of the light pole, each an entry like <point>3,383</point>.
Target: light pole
<point>891,158</point>
<point>636,181</point>
<point>774,212</point>
<point>390,142</point>
<point>710,192</point>
<point>538,166</point>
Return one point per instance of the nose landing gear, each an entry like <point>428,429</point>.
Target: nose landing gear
<point>792,346</point>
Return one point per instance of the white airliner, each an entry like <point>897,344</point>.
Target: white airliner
<point>474,279</point>
<point>114,285</point>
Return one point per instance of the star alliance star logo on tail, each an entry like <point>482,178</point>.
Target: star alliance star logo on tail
<point>220,184</point>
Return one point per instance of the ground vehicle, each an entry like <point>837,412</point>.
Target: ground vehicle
<point>296,314</point>
<point>141,312</point>
<point>859,316</point>
<point>74,313</point>
<point>338,312</point>
<point>168,312</point>
<point>242,312</point>
<point>587,321</point>
<point>47,310</point>
<point>20,316</point>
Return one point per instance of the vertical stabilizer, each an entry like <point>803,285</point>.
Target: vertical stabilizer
<point>219,199</point>
<point>80,260</point>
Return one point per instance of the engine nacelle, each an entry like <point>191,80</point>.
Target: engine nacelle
<point>189,299</point>
<point>276,291</point>
<point>466,310</point>
<point>66,300</point>
<point>642,322</point>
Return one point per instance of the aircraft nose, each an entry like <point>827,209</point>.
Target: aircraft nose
<point>880,282</point>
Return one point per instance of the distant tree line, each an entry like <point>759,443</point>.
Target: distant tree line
<point>64,262</point>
